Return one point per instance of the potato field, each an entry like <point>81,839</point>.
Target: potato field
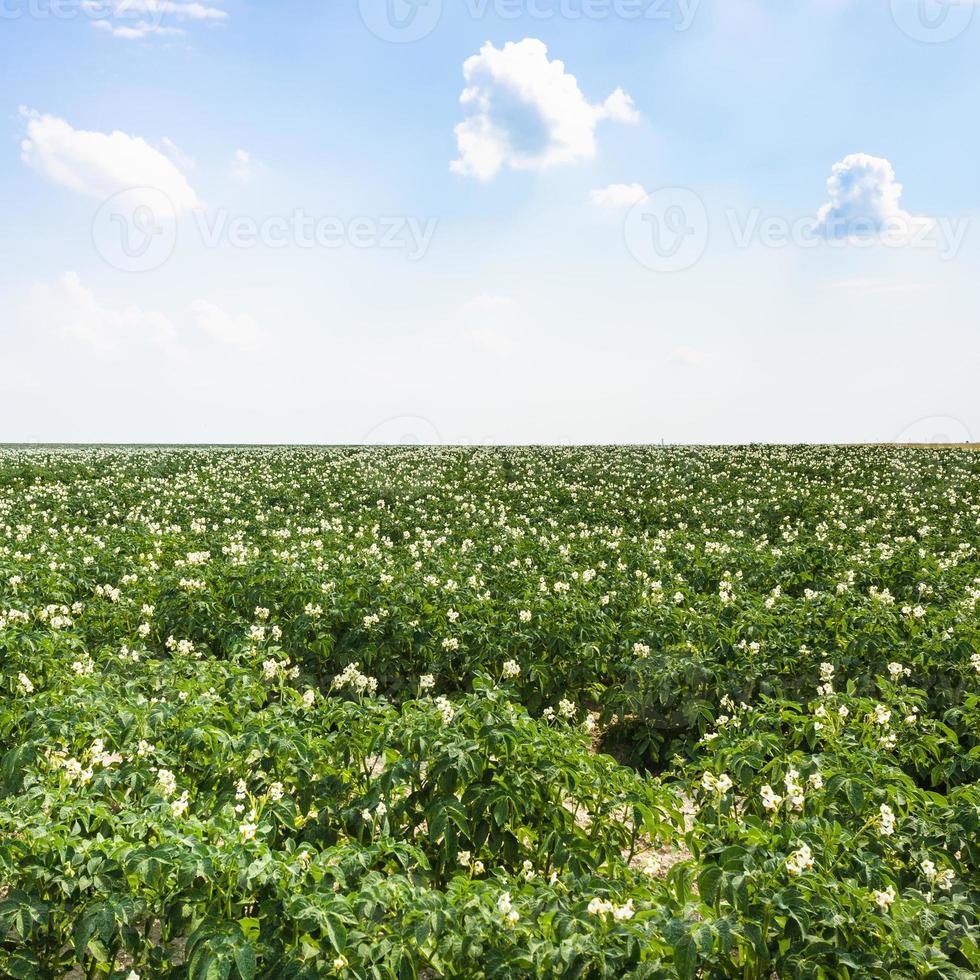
<point>461,712</point>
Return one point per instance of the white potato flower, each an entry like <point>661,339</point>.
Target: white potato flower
<point>884,899</point>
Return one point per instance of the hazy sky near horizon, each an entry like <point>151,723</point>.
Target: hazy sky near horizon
<point>477,221</point>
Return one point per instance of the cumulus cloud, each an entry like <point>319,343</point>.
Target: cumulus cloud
<point>865,201</point>
<point>136,32</point>
<point>72,310</point>
<point>525,112</point>
<point>245,167</point>
<point>134,20</point>
<point>241,167</point>
<point>181,160</point>
<point>619,195</point>
<point>99,165</point>
<point>236,331</point>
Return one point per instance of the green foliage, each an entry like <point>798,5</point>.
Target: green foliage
<point>631,713</point>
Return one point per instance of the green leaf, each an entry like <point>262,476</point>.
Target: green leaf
<point>855,794</point>
<point>709,883</point>
<point>336,933</point>
<point>686,958</point>
<point>245,961</point>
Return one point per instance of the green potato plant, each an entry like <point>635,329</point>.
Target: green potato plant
<point>445,712</point>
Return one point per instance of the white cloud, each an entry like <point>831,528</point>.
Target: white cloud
<point>72,310</point>
<point>134,20</point>
<point>100,165</point>
<point>619,195</point>
<point>526,112</point>
<point>865,201</point>
<point>241,168</point>
<point>236,331</point>
<point>180,159</point>
<point>137,32</point>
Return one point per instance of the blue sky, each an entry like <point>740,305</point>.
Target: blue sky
<point>486,271</point>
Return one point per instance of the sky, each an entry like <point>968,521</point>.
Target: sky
<point>489,221</point>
